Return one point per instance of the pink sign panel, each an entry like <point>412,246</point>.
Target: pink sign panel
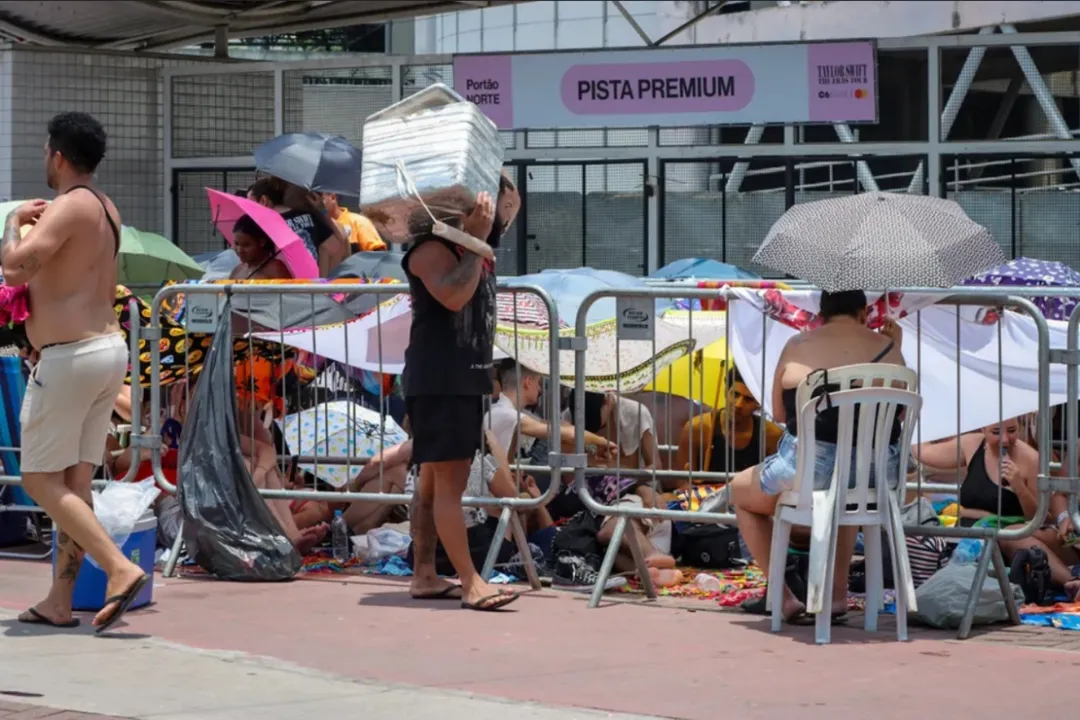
<point>485,80</point>
<point>843,82</point>
<point>677,87</point>
<point>651,88</point>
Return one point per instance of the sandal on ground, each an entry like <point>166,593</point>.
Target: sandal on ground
<point>491,603</point>
<point>123,602</point>
<point>36,618</point>
<point>450,592</point>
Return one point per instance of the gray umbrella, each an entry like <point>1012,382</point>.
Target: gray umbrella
<point>370,266</point>
<point>318,162</point>
<point>376,265</point>
<point>262,312</point>
<point>217,265</point>
<point>876,241</point>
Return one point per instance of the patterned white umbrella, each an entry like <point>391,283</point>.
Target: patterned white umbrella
<point>875,241</point>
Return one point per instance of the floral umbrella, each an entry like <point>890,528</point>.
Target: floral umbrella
<point>1029,272</point>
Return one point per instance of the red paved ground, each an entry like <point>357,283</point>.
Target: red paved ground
<point>626,657</point>
<point>18,711</point>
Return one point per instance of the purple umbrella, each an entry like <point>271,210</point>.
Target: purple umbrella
<point>1036,273</point>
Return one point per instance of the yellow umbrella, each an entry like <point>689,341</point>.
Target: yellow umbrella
<point>698,376</point>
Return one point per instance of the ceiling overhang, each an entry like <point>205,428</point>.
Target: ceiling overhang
<point>162,25</point>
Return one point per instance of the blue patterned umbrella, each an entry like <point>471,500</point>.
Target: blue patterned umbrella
<point>1030,272</point>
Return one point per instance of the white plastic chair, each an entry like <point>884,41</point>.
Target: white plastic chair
<point>872,389</point>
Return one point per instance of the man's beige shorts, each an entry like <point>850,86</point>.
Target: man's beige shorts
<point>69,402</point>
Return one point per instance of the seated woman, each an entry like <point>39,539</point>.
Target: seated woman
<point>1001,481</point>
<point>262,462</point>
<point>257,253</point>
<point>704,443</point>
<point>843,339</point>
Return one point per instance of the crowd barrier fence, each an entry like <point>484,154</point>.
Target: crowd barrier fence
<point>233,295</point>
<point>148,440</point>
<point>1015,298</point>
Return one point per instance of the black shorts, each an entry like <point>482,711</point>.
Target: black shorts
<point>445,427</point>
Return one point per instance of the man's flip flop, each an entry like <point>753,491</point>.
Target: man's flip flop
<point>447,593</point>
<point>123,601</point>
<point>491,603</point>
<point>37,618</point>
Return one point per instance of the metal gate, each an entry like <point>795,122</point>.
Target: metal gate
<point>578,214</point>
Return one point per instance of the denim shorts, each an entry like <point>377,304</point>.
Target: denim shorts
<point>778,470</point>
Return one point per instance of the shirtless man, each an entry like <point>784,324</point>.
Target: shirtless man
<point>68,262</point>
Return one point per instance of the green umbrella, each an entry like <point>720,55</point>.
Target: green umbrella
<point>150,260</point>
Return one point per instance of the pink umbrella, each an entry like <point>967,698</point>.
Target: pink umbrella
<point>226,209</point>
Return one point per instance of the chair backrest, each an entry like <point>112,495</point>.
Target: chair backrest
<point>849,377</point>
<point>865,439</point>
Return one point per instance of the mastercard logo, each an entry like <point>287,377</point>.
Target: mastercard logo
<point>861,94</point>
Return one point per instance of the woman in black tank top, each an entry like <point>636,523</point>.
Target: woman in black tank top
<point>755,491</point>
<point>1000,479</point>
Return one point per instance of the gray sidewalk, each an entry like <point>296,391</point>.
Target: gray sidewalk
<point>133,676</point>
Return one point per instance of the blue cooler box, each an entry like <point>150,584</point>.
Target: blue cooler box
<point>89,594</point>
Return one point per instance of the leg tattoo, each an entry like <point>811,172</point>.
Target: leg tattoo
<point>69,557</point>
<point>422,530</point>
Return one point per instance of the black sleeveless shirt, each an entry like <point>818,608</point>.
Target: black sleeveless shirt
<point>449,352</point>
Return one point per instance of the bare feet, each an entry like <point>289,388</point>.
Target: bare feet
<point>531,487</point>
<point>308,538</point>
<point>119,584</point>
<point>1072,590</point>
<point>659,561</point>
<point>791,607</point>
<point>666,577</point>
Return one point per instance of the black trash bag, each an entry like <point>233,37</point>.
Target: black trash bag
<point>229,530</point>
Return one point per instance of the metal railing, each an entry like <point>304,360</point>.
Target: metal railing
<point>509,507</point>
<point>997,299</point>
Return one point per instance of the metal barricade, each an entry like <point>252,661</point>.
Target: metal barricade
<point>234,296</point>
<point>642,301</point>
<point>16,481</point>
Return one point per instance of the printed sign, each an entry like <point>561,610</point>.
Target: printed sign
<point>674,87</point>
<point>635,318</point>
<point>201,312</point>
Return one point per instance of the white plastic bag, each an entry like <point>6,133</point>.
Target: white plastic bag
<point>121,505</point>
<point>384,542</point>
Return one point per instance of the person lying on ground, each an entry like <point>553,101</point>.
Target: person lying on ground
<point>1001,480</point>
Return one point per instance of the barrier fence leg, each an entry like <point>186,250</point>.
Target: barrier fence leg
<point>639,562</point>
<point>981,569</point>
<point>527,559</point>
<point>609,562</point>
<point>1006,587</point>
<point>174,553</point>
<point>496,544</point>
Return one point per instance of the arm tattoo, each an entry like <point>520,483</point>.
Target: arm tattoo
<point>11,236</point>
<point>465,271</point>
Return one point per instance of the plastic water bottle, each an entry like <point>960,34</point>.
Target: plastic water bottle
<point>709,583</point>
<point>967,551</point>
<point>339,534</point>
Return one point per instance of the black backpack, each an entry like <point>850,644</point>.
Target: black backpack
<point>1031,571</point>
<point>707,546</point>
